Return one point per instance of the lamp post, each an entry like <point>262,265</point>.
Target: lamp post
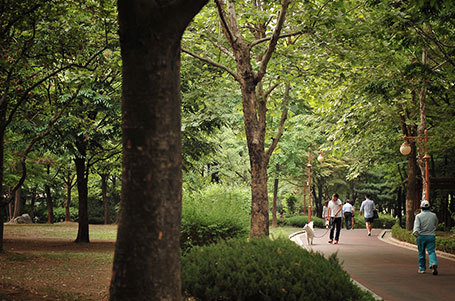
<point>405,149</point>
<point>320,159</point>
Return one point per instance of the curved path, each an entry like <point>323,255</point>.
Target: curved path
<point>387,268</point>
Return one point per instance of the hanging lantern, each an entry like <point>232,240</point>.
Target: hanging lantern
<point>405,148</point>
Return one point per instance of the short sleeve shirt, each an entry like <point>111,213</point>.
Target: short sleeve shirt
<point>367,208</point>
<point>334,207</point>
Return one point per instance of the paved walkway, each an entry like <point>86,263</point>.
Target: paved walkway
<point>388,268</point>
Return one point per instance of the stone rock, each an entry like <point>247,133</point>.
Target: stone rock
<point>23,219</point>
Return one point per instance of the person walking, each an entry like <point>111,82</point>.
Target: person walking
<point>348,211</point>
<point>367,209</point>
<point>334,211</point>
<point>325,215</point>
<point>425,224</point>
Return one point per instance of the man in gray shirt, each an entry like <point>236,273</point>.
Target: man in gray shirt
<point>367,208</point>
<point>425,224</point>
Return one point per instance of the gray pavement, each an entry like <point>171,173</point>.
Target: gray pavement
<point>387,267</point>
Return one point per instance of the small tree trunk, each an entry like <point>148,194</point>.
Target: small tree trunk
<point>107,214</point>
<point>68,200</point>
<point>411,189</point>
<point>275,196</point>
<point>17,203</point>
<point>83,229</point>
<point>32,204</point>
<point>50,205</point>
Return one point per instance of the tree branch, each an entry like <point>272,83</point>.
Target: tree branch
<point>273,41</point>
<point>29,148</point>
<point>209,61</point>
<point>284,116</point>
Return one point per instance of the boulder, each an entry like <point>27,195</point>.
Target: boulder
<point>23,219</point>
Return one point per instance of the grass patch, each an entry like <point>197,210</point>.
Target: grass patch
<point>60,230</point>
<point>282,232</point>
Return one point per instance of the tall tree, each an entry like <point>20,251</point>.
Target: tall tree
<point>146,261</point>
<point>251,61</point>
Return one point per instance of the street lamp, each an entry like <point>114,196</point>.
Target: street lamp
<point>320,159</point>
<point>405,149</point>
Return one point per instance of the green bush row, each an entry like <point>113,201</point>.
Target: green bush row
<point>445,244</point>
<point>262,269</point>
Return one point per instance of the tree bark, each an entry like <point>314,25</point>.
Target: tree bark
<point>17,203</point>
<point>107,214</point>
<point>411,188</point>
<point>82,180</point>
<point>147,255</point>
<point>50,205</point>
<point>275,196</point>
<point>69,188</point>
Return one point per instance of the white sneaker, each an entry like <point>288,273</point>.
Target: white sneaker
<point>421,271</point>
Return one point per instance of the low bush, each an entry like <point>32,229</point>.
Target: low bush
<point>262,269</point>
<point>215,213</point>
<point>445,244</point>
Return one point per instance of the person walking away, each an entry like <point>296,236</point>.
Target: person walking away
<point>425,224</point>
<point>334,211</point>
<point>348,211</point>
<point>367,209</point>
<point>325,214</point>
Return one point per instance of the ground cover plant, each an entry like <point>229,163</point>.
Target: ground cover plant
<point>264,269</point>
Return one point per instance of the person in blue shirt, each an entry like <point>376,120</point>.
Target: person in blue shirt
<point>367,209</point>
<point>425,224</point>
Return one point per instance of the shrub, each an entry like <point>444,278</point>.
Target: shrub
<point>262,269</point>
<point>301,220</point>
<point>218,212</point>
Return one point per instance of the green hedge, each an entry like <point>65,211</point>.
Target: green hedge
<point>445,244</point>
<point>262,269</point>
<point>216,213</point>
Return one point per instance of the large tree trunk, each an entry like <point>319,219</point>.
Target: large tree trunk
<point>82,179</point>
<point>147,255</point>
<point>3,203</point>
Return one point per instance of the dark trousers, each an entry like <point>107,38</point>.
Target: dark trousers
<point>348,220</point>
<point>336,223</point>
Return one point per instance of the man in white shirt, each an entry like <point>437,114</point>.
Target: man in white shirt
<point>367,208</point>
<point>348,211</point>
<point>334,211</point>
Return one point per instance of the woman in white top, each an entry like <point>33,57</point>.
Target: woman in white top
<point>325,213</point>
